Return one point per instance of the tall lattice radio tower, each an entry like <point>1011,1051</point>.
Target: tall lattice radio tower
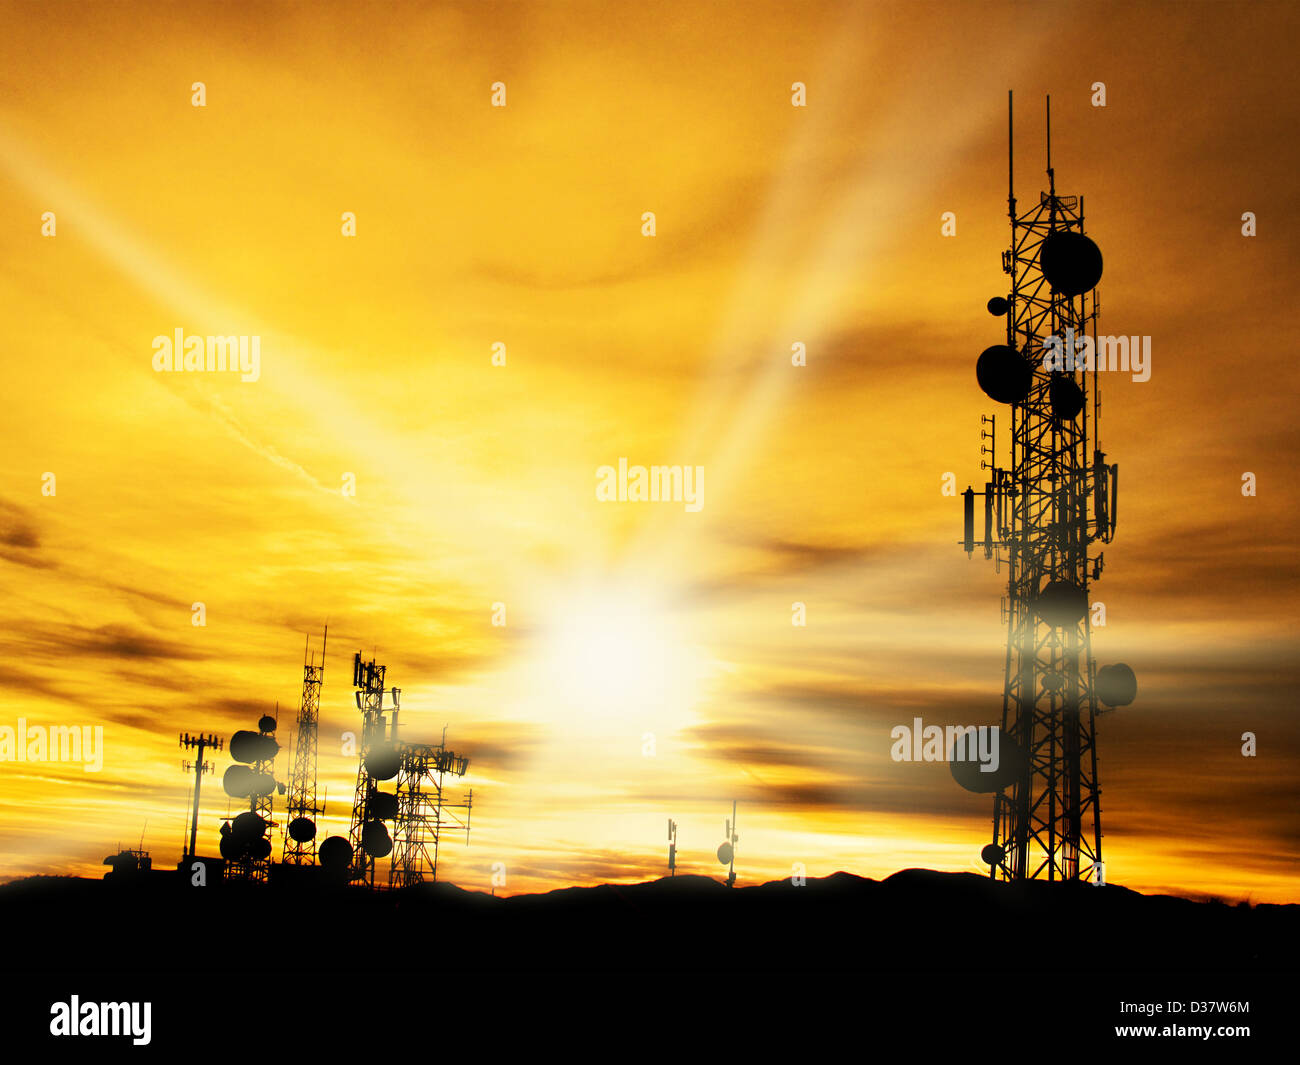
<point>1042,515</point>
<point>302,806</point>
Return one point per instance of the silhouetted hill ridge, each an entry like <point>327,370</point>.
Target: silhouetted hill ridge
<point>914,919</point>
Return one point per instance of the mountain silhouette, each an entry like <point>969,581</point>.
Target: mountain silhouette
<point>914,920</point>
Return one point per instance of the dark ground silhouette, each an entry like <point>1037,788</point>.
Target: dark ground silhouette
<point>911,921</point>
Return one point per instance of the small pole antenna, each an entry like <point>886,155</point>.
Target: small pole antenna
<point>1051,176</point>
<point>201,743</point>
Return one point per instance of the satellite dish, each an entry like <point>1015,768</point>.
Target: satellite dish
<point>248,746</point>
<point>1004,374</point>
<point>266,723</point>
<point>992,854</point>
<point>228,849</point>
<point>969,773</point>
<point>383,805</point>
<point>998,306</point>
<point>1070,261</point>
<point>261,848</point>
<point>375,839</point>
<point>246,828</point>
<point>1117,685</point>
<point>1066,398</point>
<point>1062,603</point>
<point>237,781</point>
<point>726,853</point>
<point>335,854</point>
<point>1054,681</point>
<point>383,762</point>
<point>302,830</point>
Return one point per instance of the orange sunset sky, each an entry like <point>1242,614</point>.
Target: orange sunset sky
<point>475,484</point>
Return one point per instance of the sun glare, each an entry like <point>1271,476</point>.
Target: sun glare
<point>621,655</point>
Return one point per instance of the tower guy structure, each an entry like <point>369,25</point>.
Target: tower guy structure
<point>1043,514</point>
<point>302,808</point>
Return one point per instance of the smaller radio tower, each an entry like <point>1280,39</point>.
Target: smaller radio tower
<point>727,852</point>
<point>380,760</point>
<point>417,806</point>
<point>245,843</point>
<point>672,847</point>
<point>199,744</point>
<point>302,807</point>
<point>423,810</point>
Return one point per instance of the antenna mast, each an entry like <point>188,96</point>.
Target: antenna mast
<point>727,851</point>
<point>379,761</point>
<point>417,806</point>
<point>199,744</point>
<point>245,840</point>
<point>1011,165</point>
<point>302,807</point>
<point>1051,174</point>
<point>1042,513</point>
<point>423,811</point>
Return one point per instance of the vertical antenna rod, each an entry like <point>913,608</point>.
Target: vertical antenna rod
<point>732,839</point>
<point>1051,177</point>
<point>1011,184</point>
